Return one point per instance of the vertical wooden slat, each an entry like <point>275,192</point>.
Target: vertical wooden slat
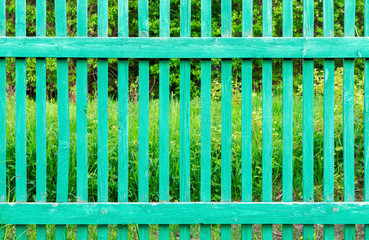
<point>20,116</point>
<point>267,118</point>
<point>205,195</point>
<point>2,113</point>
<point>164,117</point>
<point>308,116</point>
<point>348,118</point>
<point>185,78</point>
<point>81,118</point>
<point>123,116</point>
<point>328,186</point>
<point>226,158</point>
<point>366,116</point>
<point>287,116</point>
<point>247,21</point>
<point>41,116</point>
<point>63,116</point>
<point>102,116</point>
<point>143,140</point>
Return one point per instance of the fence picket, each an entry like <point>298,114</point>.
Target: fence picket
<point>287,117</point>
<point>247,21</point>
<point>348,117</point>
<point>20,124</point>
<point>267,118</point>
<point>328,184</point>
<point>63,116</point>
<point>185,79</point>
<point>366,117</point>
<point>123,73</point>
<point>164,117</point>
<point>143,146</point>
<point>226,135</point>
<point>308,117</point>
<point>81,118</point>
<point>205,117</point>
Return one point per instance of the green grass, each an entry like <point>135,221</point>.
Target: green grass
<point>52,149</point>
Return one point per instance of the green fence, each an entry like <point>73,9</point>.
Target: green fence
<point>184,213</point>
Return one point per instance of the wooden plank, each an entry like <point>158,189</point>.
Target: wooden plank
<point>41,116</point>
<point>143,146</point>
<point>111,47</point>
<point>267,118</point>
<point>81,118</point>
<point>164,117</point>
<point>63,116</point>
<point>102,115</point>
<point>2,113</point>
<point>205,194</point>
<point>247,28</point>
<point>226,135</point>
<point>188,213</point>
<point>348,118</point>
<point>123,102</point>
<point>185,86</point>
<point>328,164</point>
<point>287,173</point>
<point>20,116</point>
<point>308,116</point>
<point>366,117</point>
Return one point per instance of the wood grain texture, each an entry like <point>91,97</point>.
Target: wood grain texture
<point>185,47</point>
<point>164,180</point>
<point>287,172</point>
<point>187,213</point>
<point>328,164</point>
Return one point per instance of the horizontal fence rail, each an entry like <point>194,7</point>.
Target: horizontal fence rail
<point>186,213</point>
<point>185,47</point>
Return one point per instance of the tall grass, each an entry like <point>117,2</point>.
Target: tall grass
<point>52,148</point>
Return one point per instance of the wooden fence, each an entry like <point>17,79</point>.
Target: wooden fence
<point>185,47</point>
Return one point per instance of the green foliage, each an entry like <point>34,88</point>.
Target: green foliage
<point>174,32</point>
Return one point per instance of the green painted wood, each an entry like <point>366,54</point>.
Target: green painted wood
<point>205,194</point>
<point>20,124</point>
<point>63,116</point>
<point>348,138</point>
<point>185,81</point>
<point>102,115</point>
<point>164,117</point>
<point>102,140</point>
<point>267,118</point>
<point>144,81</point>
<point>348,118</point>
<point>123,102</point>
<point>123,69</point>
<point>308,139</point>
<point>41,117</point>
<point>287,174</point>
<point>246,140</point>
<point>20,138</point>
<point>2,112</point>
<point>111,47</point>
<point>226,135</point>
<point>143,146</point>
<point>328,164</point>
<point>366,117</point>
<point>188,213</point>
<point>247,28</point>
<point>81,118</point>
<point>308,116</point>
